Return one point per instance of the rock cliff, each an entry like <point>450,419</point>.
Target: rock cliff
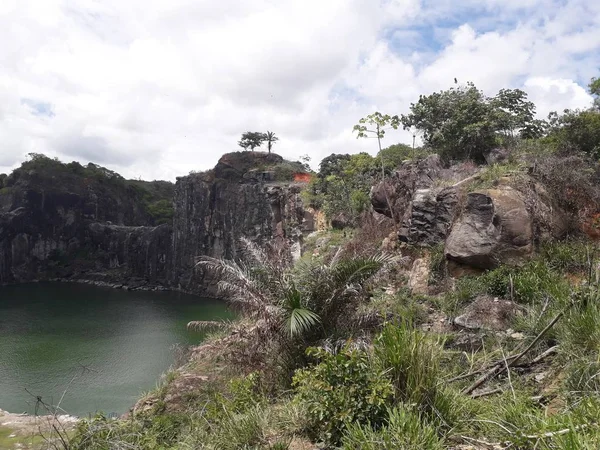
<point>72,222</point>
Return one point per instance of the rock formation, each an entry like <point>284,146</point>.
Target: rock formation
<point>72,222</point>
<point>494,227</point>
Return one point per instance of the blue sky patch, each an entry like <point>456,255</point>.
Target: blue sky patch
<point>38,108</point>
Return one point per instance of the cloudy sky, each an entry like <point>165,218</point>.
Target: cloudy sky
<point>157,88</point>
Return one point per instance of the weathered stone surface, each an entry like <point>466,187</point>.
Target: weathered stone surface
<point>497,155</point>
<point>432,214</point>
<point>211,216</point>
<point>341,221</point>
<point>418,280</point>
<point>495,227</point>
<point>392,197</point>
<point>487,313</point>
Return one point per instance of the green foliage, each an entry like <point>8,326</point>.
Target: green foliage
<point>488,178</point>
<point>343,388</point>
<point>403,430</point>
<point>376,124</point>
<point>285,171</point>
<point>567,256</point>
<point>576,131</point>
<point>437,264</point>
<point>152,432</point>
<point>411,359</point>
<point>251,140</point>
<point>161,211</point>
<point>462,123</point>
<point>270,138</point>
<point>394,155</point>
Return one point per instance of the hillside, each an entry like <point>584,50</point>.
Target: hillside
<point>441,297</point>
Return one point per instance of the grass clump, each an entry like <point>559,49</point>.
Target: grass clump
<point>403,430</point>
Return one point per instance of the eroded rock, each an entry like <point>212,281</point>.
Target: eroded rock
<point>419,276</point>
<point>487,313</point>
<point>495,227</point>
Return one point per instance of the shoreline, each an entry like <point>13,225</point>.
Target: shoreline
<point>118,285</point>
<point>23,428</point>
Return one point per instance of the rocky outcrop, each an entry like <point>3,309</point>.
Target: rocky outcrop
<point>416,199</point>
<point>73,223</point>
<point>211,216</point>
<point>393,196</point>
<point>495,227</point>
<point>432,214</point>
<point>67,221</point>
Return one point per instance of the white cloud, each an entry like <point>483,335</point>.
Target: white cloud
<point>156,89</point>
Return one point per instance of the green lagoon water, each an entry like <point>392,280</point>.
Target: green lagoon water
<point>115,344</point>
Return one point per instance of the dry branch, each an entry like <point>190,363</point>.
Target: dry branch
<point>499,368</point>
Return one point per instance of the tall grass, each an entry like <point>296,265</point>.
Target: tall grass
<point>411,358</point>
<point>404,430</point>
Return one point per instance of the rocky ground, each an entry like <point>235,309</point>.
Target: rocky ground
<point>22,431</point>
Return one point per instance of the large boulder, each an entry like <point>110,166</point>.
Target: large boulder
<point>495,227</point>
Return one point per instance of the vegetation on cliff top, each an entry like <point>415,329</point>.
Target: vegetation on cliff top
<point>43,173</point>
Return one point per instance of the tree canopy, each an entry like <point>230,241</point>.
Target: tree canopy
<point>462,123</point>
<point>251,140</point>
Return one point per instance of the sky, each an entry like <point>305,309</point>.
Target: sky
<point>155,89</point>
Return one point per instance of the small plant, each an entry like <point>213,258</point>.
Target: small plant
<point>342,388</point>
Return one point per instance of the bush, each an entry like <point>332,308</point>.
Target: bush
<point>343,388</point>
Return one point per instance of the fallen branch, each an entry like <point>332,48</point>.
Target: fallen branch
<point>478,371</point>
<point>499,368</point>
<point>486,393</point>
<point>540,357</point>
<point>556,433</point>
<point>466,180</point>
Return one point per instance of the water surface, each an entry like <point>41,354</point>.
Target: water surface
<point>103,346</point>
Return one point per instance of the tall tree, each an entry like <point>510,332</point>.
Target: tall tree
<point>375,125</point>
<point>251,140</point>
<point>270,138</point>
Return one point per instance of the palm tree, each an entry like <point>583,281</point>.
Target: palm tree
<point>270,137</point>
<point>308,304</point>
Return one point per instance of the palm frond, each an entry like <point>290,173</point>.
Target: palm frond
<point>298,318</point>
<point>252,253</point>
<point>300,321</point>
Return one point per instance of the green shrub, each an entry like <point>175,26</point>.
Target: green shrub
<point>161,211</point>
<point>535,281</point>
<point>343,388</point>
<point>404,430</point>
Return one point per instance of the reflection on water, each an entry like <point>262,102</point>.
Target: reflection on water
<point>106,346</point>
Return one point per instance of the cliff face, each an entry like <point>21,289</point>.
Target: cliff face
<point>212,213</point>
<point>70,222</point>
